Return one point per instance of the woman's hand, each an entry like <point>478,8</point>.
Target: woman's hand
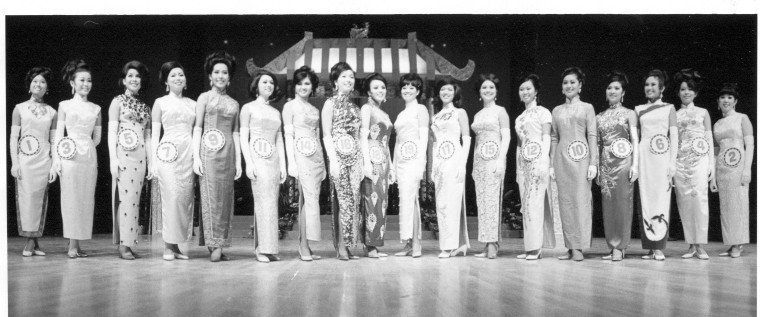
<point>293,171</point>
<point>238,171</point>
<point>250,171</point>
<point>198,167</point>
<point>283,174</point>
<point>713,186</point>
<point>115,167</point>
<point>52,176</point>
<point>591,172</point>
<point>746,178</point>
<point>633,174</point>
<point>15,172</point>
<point>501,168</point>
<point>334,170</point>
<point>57,167</point>
<point>551,173</point>
<point>392,176</point>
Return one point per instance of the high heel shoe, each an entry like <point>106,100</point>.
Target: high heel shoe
<point>608,256</point>
<point>406,251</point>
<point>690,254</point>
<point>566,256</point>
<point>38,252</point>
<point>314,256</point>
<point>444,254</point>
<point>216,255</point>
<point>648,256</point>
<point>618,254</point>
<point>737,251</point>
<point>416,250</point>
<point>260,257</point>
<point>462,249</point>
<point>522,256</point>
<point>702,254</point>
<point>484,253</point>
<point>26,253</point>
<point>534,256</point>
<point>351,256</point>
<point>168,255</point>
<point>577,255</point>
<point>124,253</point>
<point>658,255</point>
<point>342,257</point>
<point>304,258</point>
<point>495,248</point>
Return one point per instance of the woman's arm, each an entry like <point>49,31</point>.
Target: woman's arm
<point>155,137</point>
<point>506,137</point>
<point>707,122</point>
<point>633,122</point>
<point>673,124</point>
<point>245,117</point>
<point>200,114</point>
<point>327,114</point>
<point>749,150</point>
<point>113,128</point>
<point>236,142</point>
<point>464,126</point>
<point>366,114</point>
<point>13,142</point>
<point>592,140</point>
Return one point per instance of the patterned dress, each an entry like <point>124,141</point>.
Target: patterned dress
<point>448,156</point>
<point>176,178</point>
<point>654,186</point>
<point>488,187</point>
<point>615,160</point>
<point>692,174</point>
<point>127,185</point>
<point>218,181</point>
<point>79,174</point>
<point>375,193</point>
<point>410,160</point>
<point>346,122</point>
<point>538,221</point>
<point>311,166</point>
<point>573,130</point>
<point>34,167</point>
<point>264,125</point>
<point>734,198</point>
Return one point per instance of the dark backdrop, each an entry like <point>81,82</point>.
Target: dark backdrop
<point>721,47</point>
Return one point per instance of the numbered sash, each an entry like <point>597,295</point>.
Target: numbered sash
<point>29,145</point>
<point>67,148</point>
<point>376,154</point>
<point>262,147</point>
<point>659,144</point>
<point>306,145</point>
<point>489,150</point>
<point>446,150</point>
<point>732,157</point>
<point>213,140</point>
<point>577,150</point>
<point>167,152</point>
<point>345,144</point>
<point>621,148</point>
<point>408,150</point>
<point>699,146</point>
<point>531,151</point>
<point>128,139</point>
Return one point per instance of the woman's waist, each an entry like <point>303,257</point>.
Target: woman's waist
<point>729,143</point>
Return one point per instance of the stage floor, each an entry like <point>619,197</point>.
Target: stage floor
<point>104,285</point>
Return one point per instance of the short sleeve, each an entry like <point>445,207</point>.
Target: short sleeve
<point>545,116</point>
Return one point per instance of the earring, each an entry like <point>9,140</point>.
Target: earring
<point>494,98</point>
<point>185,88</point>
<point>47,91</point>
<point>167,88</point>
<point>480,99</point>
<point>73,91</point>
<point>211,84</point>
<point>622,99</point>
<point>30,91</point>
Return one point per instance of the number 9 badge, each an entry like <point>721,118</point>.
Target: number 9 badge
<point>213,140</point>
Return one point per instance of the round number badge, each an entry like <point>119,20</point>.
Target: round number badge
<point>577,150</point>
<point>167,152</point>
<point>306,145</point>
<point>128,139</point>
<point>376,154</point>
<point>732,157</point>
<point>699,146</point>
<point>408,150</point>
<point>67,148</point>
<point>489,150</point>
<point>213,139</point>
<point>446,149</point>
<point>262,147</point>
<point>621,148</point>
<point>345,144</point>
<point>659,144</point>
<point>29,145</point>
<point>530,151</point>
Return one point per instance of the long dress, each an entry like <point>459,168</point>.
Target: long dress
<point>79,173</point>
<point>134,115</point>
<point>691,177</point>
<point>573,130</point>
<point>488,187</point>
<point>375,193</point>
<point>176,178</point>
<point>346,122</point>
<point>410,160</point>
<point>734,198</point>
<point>654,186</point>
<point>218,181</point>
<point>264,125</point>
<point>311,167</point>
<point>34,166</point>
<point>448,156</point>
<point>615,160</point>
<point>538,221</point>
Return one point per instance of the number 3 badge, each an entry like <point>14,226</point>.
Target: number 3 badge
<point>213,139</point>
<point>67,148</point>
<point>128,139</point>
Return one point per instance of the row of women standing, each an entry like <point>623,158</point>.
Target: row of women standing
<point>197,138</point>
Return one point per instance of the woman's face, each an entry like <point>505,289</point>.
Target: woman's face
<point>447,94</point>
<point>176,80</point>
<point>220,76</point>
<point>652,88</point>
<point>303,88</point>
<point>38,87</point>
<point>527,92</point>
<point>571,87</point>
<point>409,93</point>
<point>488,91</point>
<point>132,81</point>
<point>265,87</point>
<point>345,82</point>
<point>686,94</point>
<point>615,93</point>
<point>377,90</point>
<point>726,103</point>
<point>82,83</point>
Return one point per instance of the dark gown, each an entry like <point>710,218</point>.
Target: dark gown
<point>375,193</point>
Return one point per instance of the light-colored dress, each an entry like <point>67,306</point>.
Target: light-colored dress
<point>311,166</point>
<point>375,193</point>
<point>79,174</point>
<point>264,124</point>
<point>654,186</point>
<point>176,178</point>
<point>34,167</point>
<point>693,167</point>
<point>218,181</point>
<point>615,160</point>
<point>538,220</point>
<point>346,121</point>
<point>734,198</point>
<point>488,187</point>
<point>448,156</point>
<point>410,159</point>
<point>127,185</point>
<point>573,131</point>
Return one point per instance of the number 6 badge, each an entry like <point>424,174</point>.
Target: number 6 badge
<point>659,144</point>
<point>213,139</point>
<point>167,152</point>
<point>128,139</point>
<point>67,148</point>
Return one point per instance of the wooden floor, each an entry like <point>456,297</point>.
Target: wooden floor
<point>103,285</point>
